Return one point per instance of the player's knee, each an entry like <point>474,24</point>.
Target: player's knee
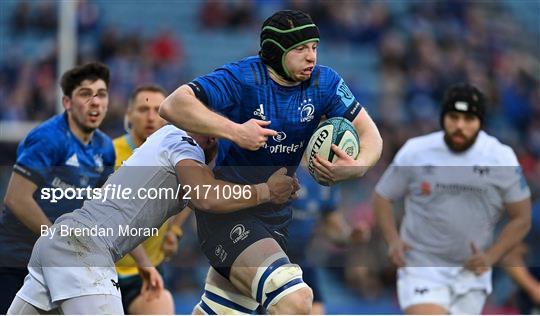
<point>297,302</point>
<point>163,305</point>
<point>277,279</point>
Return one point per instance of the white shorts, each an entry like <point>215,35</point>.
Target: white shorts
<point>458,291</point>
<point>67,267</point>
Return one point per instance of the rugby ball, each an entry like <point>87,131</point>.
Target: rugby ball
<point>336,130</point>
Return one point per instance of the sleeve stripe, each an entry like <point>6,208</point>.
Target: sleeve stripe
<point>199,92</point>
<point>262,71</point>
<point>254,74</point>
<point>29,174</point>
<point>353,111</point>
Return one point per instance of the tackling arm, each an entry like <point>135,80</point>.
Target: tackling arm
<point>19,199</point>
<point>193,174</point>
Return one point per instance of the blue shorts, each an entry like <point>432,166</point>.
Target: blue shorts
<point>223,237</point>
<point>11,281</point>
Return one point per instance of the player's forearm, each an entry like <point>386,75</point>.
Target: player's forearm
<point>28,212</point>
<point>224,197</point>
<point>140,257</point>
<point>184,110</point>
<point>181,217</point>
<point>511,235</point>
<point>523,278</point>
<point>384,216</point>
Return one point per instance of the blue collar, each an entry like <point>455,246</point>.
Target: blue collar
<point>130,143</point>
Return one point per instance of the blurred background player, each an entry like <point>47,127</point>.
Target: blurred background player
<point>66,151</point>
<point>316,209</point>
<point>284,89</point>
<point>455,182</point>
<point>142,119</point>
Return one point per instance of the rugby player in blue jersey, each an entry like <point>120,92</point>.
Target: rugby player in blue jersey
<point>264,109</point>
<point>66,151</point>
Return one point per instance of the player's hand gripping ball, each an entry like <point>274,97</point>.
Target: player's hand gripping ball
<point>338,131</point>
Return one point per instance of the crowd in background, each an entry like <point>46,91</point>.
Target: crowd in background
<point>420,49</point>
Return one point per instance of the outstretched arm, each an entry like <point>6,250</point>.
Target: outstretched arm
<point>184,110</point>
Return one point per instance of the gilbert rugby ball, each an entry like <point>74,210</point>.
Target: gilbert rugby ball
<point>336,130</point>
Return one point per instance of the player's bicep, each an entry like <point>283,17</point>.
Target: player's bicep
<point>219,90</point>
<point>364,124</point>
<point>192,173</point>
<point>519,209</point>
<point>37,156</point>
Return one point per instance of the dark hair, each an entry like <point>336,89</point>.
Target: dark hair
<point>92,71</point>
<point>139,89</point>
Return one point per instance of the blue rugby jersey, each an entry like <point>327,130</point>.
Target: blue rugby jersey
<point>314,201</point>
<point>244,90</point>
<point>52,157</point>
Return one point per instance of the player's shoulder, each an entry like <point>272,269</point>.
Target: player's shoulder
<point>495,151</point>
<point>241,67</point>
<point>54,131</point>
<point>325,75</point>
<point>121,146</point>
<point>170,136</point>
<point>423,143</point>
<point>101,137</point>
<point>102,141</point>
<point>120,142</point>
<point>174,141</point>
<point>249,71</point>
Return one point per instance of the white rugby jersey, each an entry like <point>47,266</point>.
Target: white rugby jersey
<point>150,170</point>
<point>451,199</point>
